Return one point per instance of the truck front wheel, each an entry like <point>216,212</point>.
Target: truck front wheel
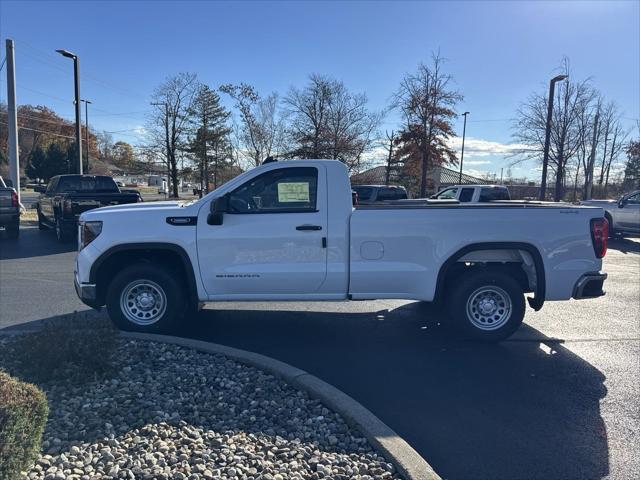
<point>145,298</point>
<point>487,305</point>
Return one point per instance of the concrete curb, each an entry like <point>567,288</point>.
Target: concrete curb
<point>387,442</point>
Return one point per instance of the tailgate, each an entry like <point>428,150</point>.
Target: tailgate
<point>5,199</point>
<point>82,202</point>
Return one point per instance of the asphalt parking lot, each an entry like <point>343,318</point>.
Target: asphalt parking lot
<point>558,400</point>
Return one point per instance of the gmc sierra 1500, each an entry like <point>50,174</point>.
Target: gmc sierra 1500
<point>288,231</point>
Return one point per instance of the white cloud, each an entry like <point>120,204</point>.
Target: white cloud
<point>476,162</point>
<point>478,147</point>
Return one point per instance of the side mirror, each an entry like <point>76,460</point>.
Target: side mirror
<point>40,188</point>
<point>433,197</point>
<point>621,203</point>
<point>218,208</point>
<point>8,183</point>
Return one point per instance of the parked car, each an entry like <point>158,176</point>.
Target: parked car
<point>474,193</point>
<point>623,214</point>
<point>288,231</point>
<point>9,210</point>
<point>67,196</point>
<point>368,194</point>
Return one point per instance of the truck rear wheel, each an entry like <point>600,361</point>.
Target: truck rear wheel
<point>145,298</point>
<point>62,233</point>
<point>487,305</point>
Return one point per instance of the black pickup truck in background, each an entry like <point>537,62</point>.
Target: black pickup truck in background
<point>9,209</point>
<point>67,196</point>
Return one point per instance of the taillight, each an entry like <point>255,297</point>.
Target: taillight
<point>599,236</point>
<point>14,199</point>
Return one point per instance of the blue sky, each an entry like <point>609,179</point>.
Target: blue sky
<point>498,53</point>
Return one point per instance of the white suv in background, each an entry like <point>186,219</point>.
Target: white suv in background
<point>474,193</point>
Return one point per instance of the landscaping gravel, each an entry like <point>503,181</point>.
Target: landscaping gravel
<point>174,413</point>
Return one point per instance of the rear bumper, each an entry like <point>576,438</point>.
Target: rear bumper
<point>9,218</point>
<point>589,286</point>
<point>86,292</point>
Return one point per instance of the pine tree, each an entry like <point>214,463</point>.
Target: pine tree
<point>209,142</point>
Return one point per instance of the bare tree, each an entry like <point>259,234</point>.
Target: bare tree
<point>261,126</point>
<point>568,134</point>
<point>168,124</point>
<point>328,121</point>
<point>427,102</point>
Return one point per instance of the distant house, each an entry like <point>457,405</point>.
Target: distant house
<point>437,179</point>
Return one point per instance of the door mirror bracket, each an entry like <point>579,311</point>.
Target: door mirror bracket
<point>219,207</point>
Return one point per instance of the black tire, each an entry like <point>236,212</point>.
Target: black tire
<point>498,293</point>
<point>168,292</point>
<point>41,223</point>
<point>13,230</point>
<point>62,234</point>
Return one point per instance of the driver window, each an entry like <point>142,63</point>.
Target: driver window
<point>633,199</point>
<point>448,194</point>
<point>285,190</point>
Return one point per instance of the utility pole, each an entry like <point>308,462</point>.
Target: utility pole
<point>166,133</point>
<point>76,81</point>
<point>86,128</point>
<point>464,132</point>
<point>12,119</point>
<point>547,135</point>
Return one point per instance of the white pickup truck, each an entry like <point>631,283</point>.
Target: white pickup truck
<point>287,230</point>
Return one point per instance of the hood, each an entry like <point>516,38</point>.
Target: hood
<point>132,208</point>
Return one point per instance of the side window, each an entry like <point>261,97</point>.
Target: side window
<point>285,190</point>
<point>392,193</point>
<point>493,193</point>
<point>466,195</point>
<point>52,185</point>
<point>634,199</point>
<point>448,194</point>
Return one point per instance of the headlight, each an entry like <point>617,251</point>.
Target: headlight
<point>88,232</point>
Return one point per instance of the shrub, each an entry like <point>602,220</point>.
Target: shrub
<point>23,414</point>
<point>75,346</point>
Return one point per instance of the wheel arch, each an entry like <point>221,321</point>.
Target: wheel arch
<point>118,256</point>
<point>535,302</point>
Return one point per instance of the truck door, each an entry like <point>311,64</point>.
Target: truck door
<point>629,214</point>
<point>272,237</point>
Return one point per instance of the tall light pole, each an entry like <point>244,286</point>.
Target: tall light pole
<point>86,128</point>
<point>464,132</point>
<point>76,79</point>
<point>547,134</point>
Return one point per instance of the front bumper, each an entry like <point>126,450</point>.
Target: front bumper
<point>589,286</point>
<point>86,292</point>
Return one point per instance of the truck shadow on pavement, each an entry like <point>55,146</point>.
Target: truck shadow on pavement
<point>525,408</point>
<point>30,244</point>
<point>624,245</point>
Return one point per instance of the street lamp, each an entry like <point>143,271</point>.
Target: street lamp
<point>86,128</point>
<point>464,131</point>
<point>76,79</point>
<point>547,134</point>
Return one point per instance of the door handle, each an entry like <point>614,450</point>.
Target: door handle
<point>308,227</point>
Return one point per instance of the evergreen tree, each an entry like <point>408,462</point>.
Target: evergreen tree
<point>37,166</point>
<point>209,142</point>
<point>632,169</point>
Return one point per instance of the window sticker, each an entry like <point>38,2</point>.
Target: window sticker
<point>293,192</point>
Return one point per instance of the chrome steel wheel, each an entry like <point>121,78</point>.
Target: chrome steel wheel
<point>489,308</point>
<point>143,302</point>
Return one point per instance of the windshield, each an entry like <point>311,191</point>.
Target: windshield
<point>87,184</point>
